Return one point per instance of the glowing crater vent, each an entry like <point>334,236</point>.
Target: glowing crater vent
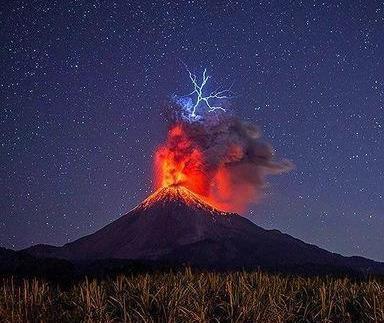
<point>178,194</point>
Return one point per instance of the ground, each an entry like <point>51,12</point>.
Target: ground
<point>188,296</point>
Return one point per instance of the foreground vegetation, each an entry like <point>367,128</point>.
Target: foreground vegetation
<point>194,297</point>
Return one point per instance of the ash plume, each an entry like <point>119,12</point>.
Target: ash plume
<point>226,161</point>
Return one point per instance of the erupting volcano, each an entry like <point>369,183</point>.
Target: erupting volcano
<point>207,169</point>
<point>184,221</point>
<point>202,171</point>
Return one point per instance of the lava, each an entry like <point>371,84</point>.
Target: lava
<point>180,162</point>
<point>179,193</point>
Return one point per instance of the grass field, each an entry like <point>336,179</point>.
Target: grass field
<point>194,297</point>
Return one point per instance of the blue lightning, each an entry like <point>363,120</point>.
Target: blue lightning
<point>209,101</point>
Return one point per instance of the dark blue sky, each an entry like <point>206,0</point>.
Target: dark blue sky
<point>84,86</point>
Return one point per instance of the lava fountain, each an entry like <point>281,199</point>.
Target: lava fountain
<point>179,162</point>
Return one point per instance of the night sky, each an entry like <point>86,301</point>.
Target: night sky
<point>84,86</point>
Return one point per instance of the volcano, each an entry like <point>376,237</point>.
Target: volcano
<point>176,226</point>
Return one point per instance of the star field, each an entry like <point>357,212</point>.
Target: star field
<point>84,87</point>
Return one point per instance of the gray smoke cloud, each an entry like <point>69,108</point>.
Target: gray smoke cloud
<point>236,160</point>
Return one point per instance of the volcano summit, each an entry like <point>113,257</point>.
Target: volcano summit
<point>176,226</point>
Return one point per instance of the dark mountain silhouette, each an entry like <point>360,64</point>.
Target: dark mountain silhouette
<point>176,226</point>
<point>21,264</point>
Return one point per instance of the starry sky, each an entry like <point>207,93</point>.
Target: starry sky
<point>83,87</point>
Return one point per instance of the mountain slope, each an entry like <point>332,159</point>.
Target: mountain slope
<point>176,226</point>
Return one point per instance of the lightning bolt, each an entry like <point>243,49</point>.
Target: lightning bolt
<point>201,98</point>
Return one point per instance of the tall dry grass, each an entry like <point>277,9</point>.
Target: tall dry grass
<point>194,297</point>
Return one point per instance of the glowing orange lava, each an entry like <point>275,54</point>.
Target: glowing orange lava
<point>180,162</point>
